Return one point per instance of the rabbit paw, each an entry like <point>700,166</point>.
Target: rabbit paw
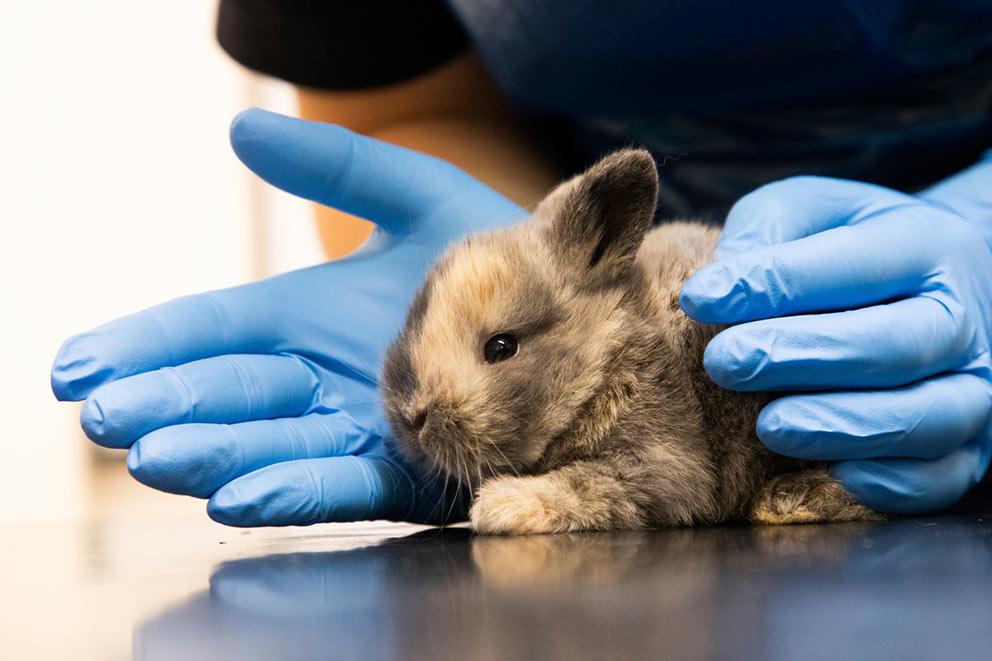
<point>810,496</point>
<point>512,506</point>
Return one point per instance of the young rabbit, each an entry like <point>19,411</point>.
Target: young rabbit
<point>549,366</point>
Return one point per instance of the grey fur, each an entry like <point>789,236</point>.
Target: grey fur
<point>605,418</point>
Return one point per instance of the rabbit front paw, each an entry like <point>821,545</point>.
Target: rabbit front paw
<point>512,506</point>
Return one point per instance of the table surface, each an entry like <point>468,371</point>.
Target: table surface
<point>188,589</point>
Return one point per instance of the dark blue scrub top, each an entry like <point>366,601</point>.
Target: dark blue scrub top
<point>732,94</point>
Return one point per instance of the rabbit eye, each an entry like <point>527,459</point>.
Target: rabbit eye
<point>500,347</point>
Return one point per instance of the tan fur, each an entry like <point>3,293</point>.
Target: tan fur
<point>604,419</point>
<point>809,496</point>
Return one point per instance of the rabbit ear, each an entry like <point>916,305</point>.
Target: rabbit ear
<point>597,220</point>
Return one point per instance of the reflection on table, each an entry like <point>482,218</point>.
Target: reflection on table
<point>914,588</point>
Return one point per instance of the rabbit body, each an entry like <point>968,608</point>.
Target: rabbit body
<point>549,367</point>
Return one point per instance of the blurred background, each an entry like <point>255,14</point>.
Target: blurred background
<point>117,169</point>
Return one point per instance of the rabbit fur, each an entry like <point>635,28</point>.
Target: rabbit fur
<point>603,417</point>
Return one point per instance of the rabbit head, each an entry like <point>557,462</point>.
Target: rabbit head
<point>514,331</point>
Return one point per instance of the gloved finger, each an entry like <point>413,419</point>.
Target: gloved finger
<point>792,208</point>
<point>173,333</point>
<point>314,491</point>
<point>968,193</point>
<point>920,336</point>
<point>197,459</point>
<point>224,389</point>
<point>925,420</point>
<point>890,256</point>
<point>916,485</point>
<point>331,165</point>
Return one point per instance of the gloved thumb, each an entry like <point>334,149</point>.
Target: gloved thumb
<point>391,186</point>
<point>968,193</point>
<point>798,207</point>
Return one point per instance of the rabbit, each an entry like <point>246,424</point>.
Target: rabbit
<point>549,367</point>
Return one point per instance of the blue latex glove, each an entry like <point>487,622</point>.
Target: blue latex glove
<point>263,397</point>
<point>883,302</point>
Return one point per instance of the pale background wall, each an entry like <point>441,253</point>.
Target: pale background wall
<point>117,190</point>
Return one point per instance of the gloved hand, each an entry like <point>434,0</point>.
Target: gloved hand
<point>879,304</point>
<point>263,398</point>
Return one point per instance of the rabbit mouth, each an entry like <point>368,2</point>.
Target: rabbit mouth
<point>435,437</point>
<point>447,451</point>
<point>467,462</point>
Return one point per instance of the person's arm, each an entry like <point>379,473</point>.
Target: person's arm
<point>454,112</point>
<point>401,72</point>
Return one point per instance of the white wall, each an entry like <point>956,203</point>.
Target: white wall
<point>117,190</point>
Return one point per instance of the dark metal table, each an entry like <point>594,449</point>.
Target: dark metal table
<point>906,589</point>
